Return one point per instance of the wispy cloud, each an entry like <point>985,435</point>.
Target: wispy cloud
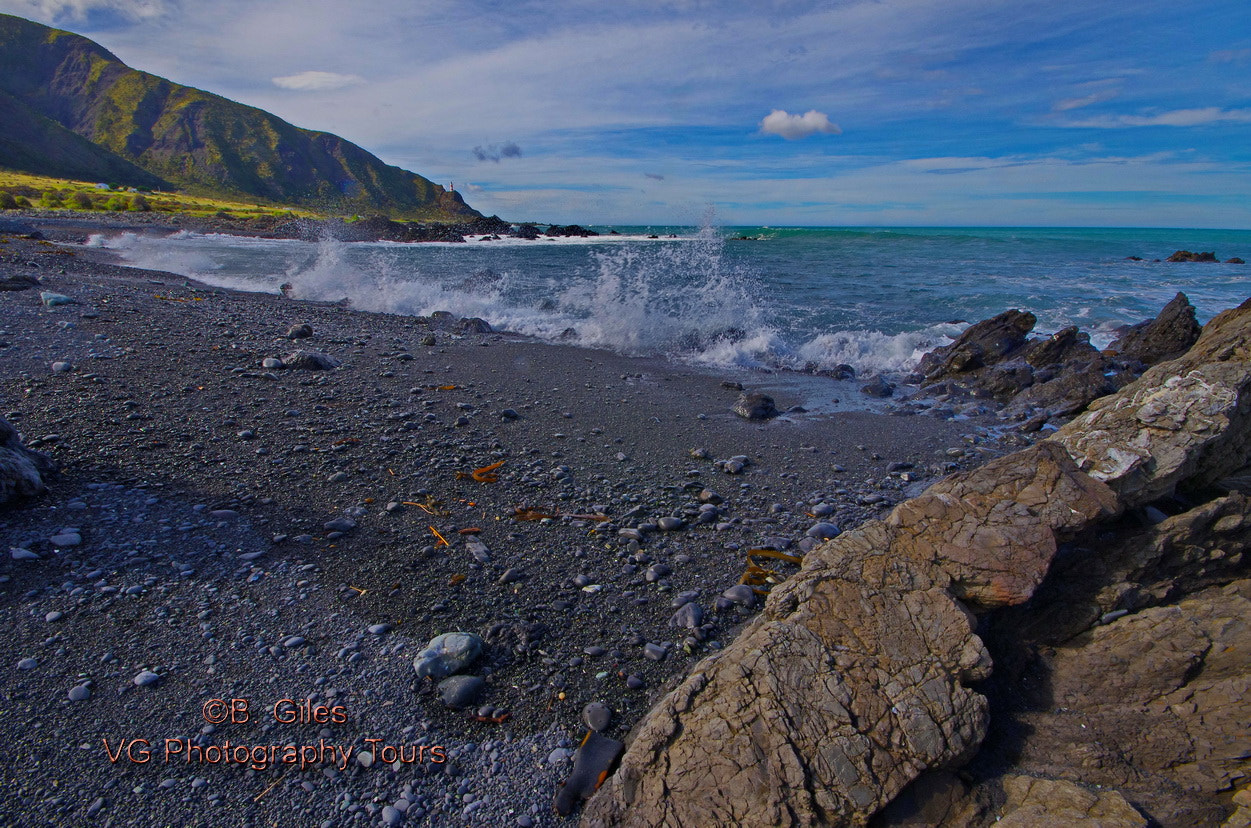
<point>494,152</point>
<point>72,11</point>
<point>793,127</point>
<point>654,176</point>
<point>317,81</point>
<point>1202,116</point>
<point>1230,56</point>
<point>1085,100</point>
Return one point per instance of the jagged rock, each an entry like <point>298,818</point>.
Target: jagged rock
<point>1070,390</point>
<point>1184,421</point>
<point>1187,256</point>
<point>22,470</point>
<point>310,361</point>
<point>755,407</point>
<point>1153,704</point>
<point>1234,260</point>
<point>1054,803</point>
<point>981,344</point>
<point>1168,336</point>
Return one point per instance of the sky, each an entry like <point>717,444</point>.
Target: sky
<point>775,112</point>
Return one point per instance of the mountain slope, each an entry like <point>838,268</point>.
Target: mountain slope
<point>191,138</point>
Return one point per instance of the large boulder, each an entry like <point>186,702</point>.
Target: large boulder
<point>1168,336</point>
<point>22,470</point>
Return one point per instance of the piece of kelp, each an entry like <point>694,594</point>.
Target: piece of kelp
<point>591,764</point>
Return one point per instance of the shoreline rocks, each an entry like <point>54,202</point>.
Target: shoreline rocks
<point>866,668</point>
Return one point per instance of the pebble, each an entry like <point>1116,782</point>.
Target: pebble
<point>365,759</point>
<point>54,616</point>
<point>80,693</point>
<point>670,524</point>
<point>146,678</point>
<point>391,816</point>
<point>66,538</point>
<point>62,367</point>
<point>379,629</point>
<point>337,477</point>
<point>654,651</point>
<point>511,575</point>
<point>272,363</point>
<point>635,683</point>
<point>17,553</point>
<point>461,691</point>
<point>28,664</point>
<point>596,716</point>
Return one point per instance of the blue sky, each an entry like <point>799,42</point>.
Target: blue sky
<point>883,112</point>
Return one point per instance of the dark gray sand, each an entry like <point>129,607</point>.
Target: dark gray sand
<point>192,548</point>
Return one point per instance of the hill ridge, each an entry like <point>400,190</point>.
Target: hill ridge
<point>179,135</point>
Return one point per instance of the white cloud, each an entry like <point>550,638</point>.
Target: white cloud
<point>77,10</point>
<point>794,127</point>
<point>1177,117</point>
<point>1085,100</point>
<point>317,81</point>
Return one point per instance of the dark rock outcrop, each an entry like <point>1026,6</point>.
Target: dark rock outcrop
<point>22,470</point>
<point>1187,256</point>
<point>570,230</point>
<point>1168,336</point>
<point>1055,377</point>
<point>982,344</point>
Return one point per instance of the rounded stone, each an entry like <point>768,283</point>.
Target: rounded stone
<point>447,654</point>
<point>80,693</point>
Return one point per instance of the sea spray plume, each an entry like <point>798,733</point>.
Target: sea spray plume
<point>680,299</point>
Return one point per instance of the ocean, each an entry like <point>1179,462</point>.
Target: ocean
<point>789,298</point>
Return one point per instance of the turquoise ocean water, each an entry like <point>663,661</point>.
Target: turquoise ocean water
<point>792,298</point>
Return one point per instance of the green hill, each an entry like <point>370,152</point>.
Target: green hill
<point>70,108</point>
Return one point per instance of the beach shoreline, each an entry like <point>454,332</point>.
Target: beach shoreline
<point>202,485</point>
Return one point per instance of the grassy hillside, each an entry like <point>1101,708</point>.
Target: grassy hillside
<point>192,139</point>
<point>23,190</point>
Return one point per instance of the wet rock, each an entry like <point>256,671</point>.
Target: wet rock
<point>302,330</point>
<point>689,616</point>
<point>474,325</point>
<point>755,407</point>
<point>447,654</point>
<point>1168,336</point>
<point>310,361</point>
